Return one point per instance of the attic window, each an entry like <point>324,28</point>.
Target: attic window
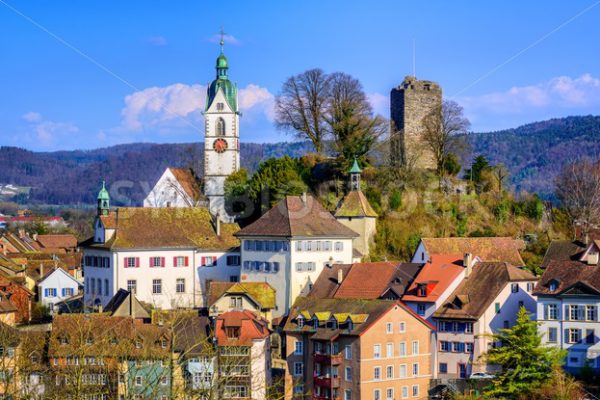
<point>89,341</point>
<point>397,281</point>
<point>232,332</point>
<point>553,285</point>
<point>34,358</point>
<point>163,343</point>
<point>138,344</point>
<point>300,322</point>
<point>63,340</point>
<point>421,290</point>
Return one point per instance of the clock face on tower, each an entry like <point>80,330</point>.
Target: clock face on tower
<point>220,145</point>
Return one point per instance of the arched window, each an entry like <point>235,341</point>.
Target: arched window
<point>220,127</point>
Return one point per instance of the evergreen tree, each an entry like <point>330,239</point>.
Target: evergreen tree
<point>526,363</point>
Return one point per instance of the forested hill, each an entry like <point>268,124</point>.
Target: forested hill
<point>534,153</point>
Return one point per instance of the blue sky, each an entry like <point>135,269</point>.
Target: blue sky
<point>97,73</point>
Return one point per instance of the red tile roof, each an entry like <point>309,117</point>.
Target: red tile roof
<point>439,274</point>
<point>187,181</point>
<point>251,327</point>
<point>568,274</point>
<point>65,241</point>
<point>504,249</point>
<point>294,217</point>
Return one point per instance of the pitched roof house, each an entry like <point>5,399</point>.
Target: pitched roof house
<point>290,245</point>
<point>487,300</point>
<point>568,301</point>
<point>258,297</point>
<point>351,348</point>
<point>177,187</point>
<point>485,248</point>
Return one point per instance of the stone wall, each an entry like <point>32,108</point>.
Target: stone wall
<point>410,102</point>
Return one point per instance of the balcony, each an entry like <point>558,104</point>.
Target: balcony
<point>327,382</point>
<point>326,358</point>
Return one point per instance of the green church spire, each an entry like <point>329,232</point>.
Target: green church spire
<point>103,200</point>
<point>222,81</point>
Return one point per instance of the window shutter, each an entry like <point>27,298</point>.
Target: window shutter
<point>567,315</point>
<point>174,261</point>
<point>581,313</point>
<point>187,261</point>
<point>162,262</point>
<point>126,261</point>
<point>151,262</point>
<point>203,261</point>
<point>546,311</point>
<point>137,262</point>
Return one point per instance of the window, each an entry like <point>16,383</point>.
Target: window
<point>156,286</point>
<point>389,350</point>
<point>552,335</point>
<point>377,373</point>
<point>209,261</point>
<point>99,286</point>
<point>299,348</point>
<point>468,327</point>
<point>590,336</point>
<point>591,313</point>
<point>421,309</point>
<point>348,374</point>
<point>553,285</point>
<point>402,371</point>
<point>575,312</point>
<point>415,347</point>
<point>443,368</point>
<point>405,392</point>
<point>469,347</point>
<point>233,260</point>
<point>164,381</point>
<point>514,288</point>
<point>132,262</point>
<point>530,286</point>
<point>402,348</point>
<point>157,262</point>
<point>180,285</point>
<point>327,245</point>
<point>220,124</point>
<point>299,389</point>
<point>376,394</point>
<point>348,352</point>
<point>402,327</point>
<point>131,285</point>
<point>505,324</point>
<point>298,368</point>
<point>497,306</point>
<point>220,106</point>
<point>551,311</point>
<point>377,351</point>
<point>339,246</point>
<point>445,346</point>
<point>139,380</point>
<point>50,292</point>
<point>415,390</point>
<point>276,266</point>
<point>389,328</point>
<point>181,261</point>
<point>67,292</point>
<point>574,335</point>
<point>389,372</point>
<point>235,302</point>
<point>347,394</point>
<point>234,278</point>
<point>299,245</point>
<point>106,287</point>
<point>416,369</point>
<point>389,394</point>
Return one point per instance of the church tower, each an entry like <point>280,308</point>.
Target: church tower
<point>103,200</point>
<point>221,136</point>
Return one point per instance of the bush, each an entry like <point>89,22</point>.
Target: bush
<point>395,200</point>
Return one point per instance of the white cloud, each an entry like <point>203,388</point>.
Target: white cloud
<point>158,41</point>
<point>562,92</point>
<point>226,38</point>
<point>180,105</point>
<point>32,116</point>
<point>380,103</point>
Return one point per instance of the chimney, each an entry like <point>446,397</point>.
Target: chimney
<point>218,224</point>
<point>592,258</point>
<point>303,197</point>
<point>21,233</point>
<point>468,263</point>
<point>41,270</point>
<point>34,237</point>
<point>340,276</point>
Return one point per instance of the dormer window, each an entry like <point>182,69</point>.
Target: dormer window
<point>232,332</point>
<point>300,322</point>
<point>421,290</point>
<point>63,340</point>
<point>553,285</point>
<point>163,343</point>
<point>89,341</point>
<point>138,344</point>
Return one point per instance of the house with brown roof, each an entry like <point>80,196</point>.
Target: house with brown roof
<point>486,301</point>
<point>355,212</point>
<point>568,301</point>
<point>289,246</point>
<point>177,187</point>
<point>504,249</point>
<point>244,355</point>
<point>356,349</point>
<point>163,255</point>
<point>368,280</point>
<point>258,297</point>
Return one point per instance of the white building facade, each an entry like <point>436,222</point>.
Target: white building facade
<point>56,287</point>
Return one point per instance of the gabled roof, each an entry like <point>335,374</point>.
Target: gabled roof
<point>567,274</point>
<point>369,280</point>
<point>187,181</point>
<point>150,228</point>
<point>260,293</point>
<point>191,336</point>
<point>486,248</point>
<point>251,327</point>
<point>479,290</point>
<point>63,241</point>
<point>293,217</point>
<point>563,250</point>
<point>355,204</point>
<point>439,273</point>
<point>62,272</point>
<point>125,304</point>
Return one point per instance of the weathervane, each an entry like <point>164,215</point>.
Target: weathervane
<point>222,42</point>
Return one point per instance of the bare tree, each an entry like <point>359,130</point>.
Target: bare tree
<point>500,174</point>
<point>300,106</point>
<point>578,189</point>
<point>444,130</point>
<point>350,118</point>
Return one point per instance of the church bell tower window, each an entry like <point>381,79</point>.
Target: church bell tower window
<point>220,128</point>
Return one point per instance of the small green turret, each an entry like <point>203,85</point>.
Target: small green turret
<point>355,172</point>
<point>103,201</point>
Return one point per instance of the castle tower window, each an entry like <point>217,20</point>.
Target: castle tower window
<point>220,128</point>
